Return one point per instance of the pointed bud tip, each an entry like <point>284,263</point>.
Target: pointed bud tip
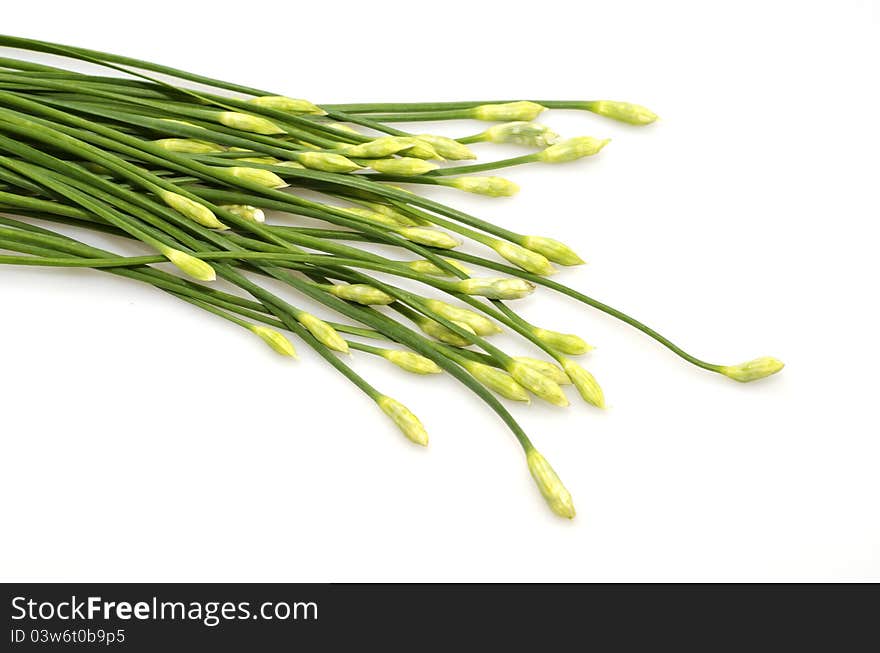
<point>753,370</point>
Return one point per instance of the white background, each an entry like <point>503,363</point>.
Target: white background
<point>144,440</point>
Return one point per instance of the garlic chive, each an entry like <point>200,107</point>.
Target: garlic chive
<point>408,423</point>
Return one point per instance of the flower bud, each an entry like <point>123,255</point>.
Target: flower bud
<point>426,267</point>
<point>195,211</point>
<point>275,340</point>
<point>537,383</point>
<point>391,212</point>
<point>634,114</point>
<point>421,150</point>
<point>565,343</point>
<point>406,166</point>
<point>586,385</point>
<point>323,332</point>
<point>497,380</point>
<point>265,178</point>
<point>441,333</point>
<point>379,147</point>
<point>189,265</point>
<point>491,186</point>
<point>373,216</point>
<point>548,369</point>
<point>262,160</point>
<point>480,324</point>
<point>524,258</point>
<point>248,123</point>
<point>361,293</point>
<point>572,149</point>
<point>188,146</point>
<point>507,111</point>
<point>532,134</point>
<point>554,492</point>
<point>448,148</point>
<point>753,370</point>
<point>411,361</point>
<point>428,236</point>
<point>327,162</point>
<point>245,211</point>
<point>553,250</point>
<point>291,164</point>
<point>289,104</point>
<point>407,422</point>
<point>496,287</point>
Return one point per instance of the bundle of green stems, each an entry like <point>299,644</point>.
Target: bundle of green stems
<point>192,174</point>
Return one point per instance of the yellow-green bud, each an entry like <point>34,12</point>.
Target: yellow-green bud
<point>421,150</point>
<point>586,385</point>
<point>552,489</point>
<point>291,164</point>
<point>263,160</point>
<point>427,267</point>
<point>565,343</point>
<point>373,216</point>
<point>491,186</point>
<point>480,324</point>
<point>259,176</point>
<point>496,287</point>
<point>572,149</point>
<point>248,123</point>
<point>391,212</point>
<point>275,340</point>
<point>532,134</point>
<point>411,361</point>
<point>753,370</point>
<point>441,333</point>
<point>407,422</point>
<point>361,293</point>
<point>245,211</point>
<point>546,368</point>
<point>189,265</point>
<point>448,148</point>
<point>428,236</point>
<point>323,332</point>
<point>379,147</point>
<point>553,250</point>
<point>195,211</point>
<point>289,104</point>
<point>406,166</point>
<point>327,162</point>
<point>525,258</point>
<point>188,146</point>
<point>507,111</point>
<point>497,380</point>
<point>537,383</point>
<point>634,114</point>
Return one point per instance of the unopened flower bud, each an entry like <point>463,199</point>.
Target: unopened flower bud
<point>546,368</point>
<point>586,384</point>
<point>289,104</point>
<point>448,148</point>
<point>249,123</point>
<point>379,147</point>
<point>565,343</point>
<point>188,146</point>
<point>552,489</point>
<point>245,211</point>
<point>373,216</point>
<point>189,265</point>
<point>497,380</point>
<point>408,423</point>
<point>532,134</point>
<point>490,186</point>
<point>441,333</point>
<point>327,162</point>
<point>753,370</point>
<point>496,287</point>
<point>421,150</point>
<point>427,267</point>
<point>265,178</point>
<point>361,293</point>
<point>480,324</point>
<point>428,236</point>
<point>572,149</point>
<point>275,340</point>
<point>524,258</point>
<point>553,250</point>
<point>406,166</point>
<point>507,111</point>
<point>323,332</point>
<point>411,361</point>
<point>195,211</point>
<point>634,114</point>
<point>537,383</point>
